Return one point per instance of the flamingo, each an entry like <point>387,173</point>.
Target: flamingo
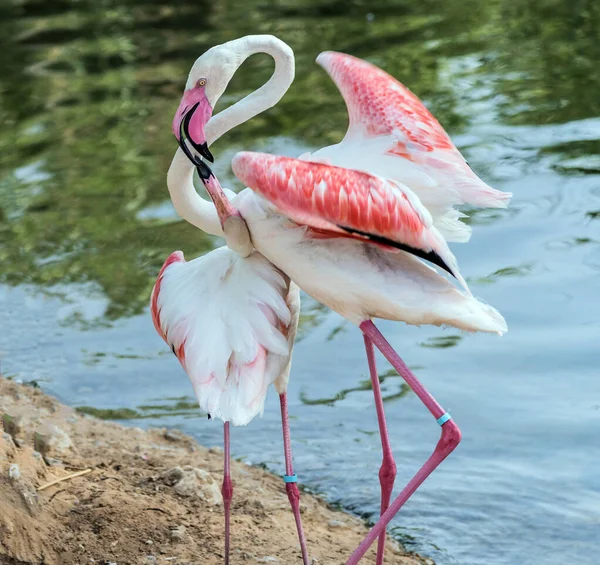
<point>362,226</point>
<point>230,316</point>
<point>231,322</point>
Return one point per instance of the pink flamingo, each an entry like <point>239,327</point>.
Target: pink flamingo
<point>230,316</point>
<point>354,223</point>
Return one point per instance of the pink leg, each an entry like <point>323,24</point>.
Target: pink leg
<point>449,440</point>
<point>227,489</point>
<point>387,471</point>
<point>290,478</point>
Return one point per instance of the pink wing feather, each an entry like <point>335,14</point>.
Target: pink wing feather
<point>345,201</point>
<point>391,133</point>
<point>381,105</point>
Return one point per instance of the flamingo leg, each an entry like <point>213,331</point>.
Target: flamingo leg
<point>291,486</point>
<point>449,439</point>
<point>227,488</point>
<point>387,471</point>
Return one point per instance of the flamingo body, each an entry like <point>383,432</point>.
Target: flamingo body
<point>360,280</point>
<point>394,179</point>
<point>230,321</point>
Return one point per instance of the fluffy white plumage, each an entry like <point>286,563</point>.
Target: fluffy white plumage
<point>231,322</point>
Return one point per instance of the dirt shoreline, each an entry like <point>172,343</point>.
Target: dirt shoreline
<point>151,497</point>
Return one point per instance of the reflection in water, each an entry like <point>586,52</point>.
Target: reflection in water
<point>521,271</point>
<point>364,384</point>
<point>87,92</point>
<point>443,341</point>
<point>184,406</point>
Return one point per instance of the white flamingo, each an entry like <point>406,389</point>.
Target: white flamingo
<point>353,223</point>
<point>229,316</point>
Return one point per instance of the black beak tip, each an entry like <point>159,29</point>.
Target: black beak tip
<point>203,169</point>
<point>203,149</point>
<point>209,155</point>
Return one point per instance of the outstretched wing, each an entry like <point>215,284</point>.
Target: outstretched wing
<point>392,134</point>
<point>227,320</point>
<point>344,201</point>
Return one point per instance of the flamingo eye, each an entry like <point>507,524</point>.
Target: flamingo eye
<point>201,82</point>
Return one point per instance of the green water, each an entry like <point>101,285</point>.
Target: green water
<point>87,94</point>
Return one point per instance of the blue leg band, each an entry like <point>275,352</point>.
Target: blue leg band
<point>290,478</point>
<point>444,418</point>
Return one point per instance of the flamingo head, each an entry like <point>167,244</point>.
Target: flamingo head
<point>190,118</point>
<point>206,82</point>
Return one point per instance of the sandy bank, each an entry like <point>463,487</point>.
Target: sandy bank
<point>151,497</point>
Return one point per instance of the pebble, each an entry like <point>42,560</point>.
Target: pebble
<point>7,438</point>
<point>173,435</point>
<point>13,425</point>
<point>14,473</point>
<point>192,482</point>
<point>177,533</point>
<point>52,441</point>
<point>336,524</point>
<point>7,449</point>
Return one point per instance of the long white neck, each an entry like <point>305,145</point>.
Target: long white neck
<point>186,201</point>
<point>267,95</point>
<point>188,204</point>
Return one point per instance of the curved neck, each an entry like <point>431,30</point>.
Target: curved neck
<point>188,204</point>
<point>186,201</point>
<point>267,95</point>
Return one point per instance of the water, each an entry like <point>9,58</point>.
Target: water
<point>87,92</point>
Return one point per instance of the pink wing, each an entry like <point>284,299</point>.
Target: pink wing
<point>381,105</point>
<point>391,133</point>
<point>345,201</point>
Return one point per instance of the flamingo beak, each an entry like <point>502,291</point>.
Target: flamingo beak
<point>188,124</point>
